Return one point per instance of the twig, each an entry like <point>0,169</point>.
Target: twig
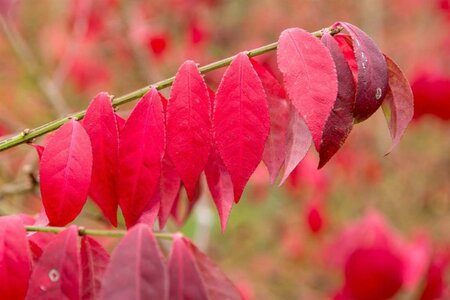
<point>94,232</point>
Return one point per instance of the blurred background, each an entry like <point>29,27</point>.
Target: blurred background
<point>375,225</point>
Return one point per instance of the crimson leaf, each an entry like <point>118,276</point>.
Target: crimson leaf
<point>65,172</point>
<point>241,121</point>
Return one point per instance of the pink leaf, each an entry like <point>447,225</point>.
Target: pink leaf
<point>65,172</point>
<point>309,76</point>
<point>101,126</point>
<point>194,276</point>
<point>57,273</point>
<point>94,260</point>
<point>241,121</point>
<point>340,121</point>
<point>169,189</point>
<point>275,148</point>
<point>189,125</point>
<point>140,153</point>
<point>136,270</point>
<point>398,105</point>
<point>298,141</point>
<point>372,73</point>
<point>15,261</point>
<point>220,186</point>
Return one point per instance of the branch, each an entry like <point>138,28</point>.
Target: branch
<point>29,134</point>
<point>94,232</point>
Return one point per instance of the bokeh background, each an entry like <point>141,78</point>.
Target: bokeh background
<point>378,224</point>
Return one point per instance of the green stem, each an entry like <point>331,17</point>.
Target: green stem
<point>94,232</point>
<point>29,134</point>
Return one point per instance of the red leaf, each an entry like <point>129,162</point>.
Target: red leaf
<point>140,153</point>
<point>101,125</point>
<point>65,172</point>
<point>241,121</point>
<point>189,125</point>
<point>372,73</point>
<point>309,77</point>
<point>275,148</point>
<point>136,270</point>
<point>15,262</point>
<point>169,189</point>
<point>398,105</point>
<point>298,142</point>
<point>220,186</point>
<point>57,273</point>
<point>94,260</point>
<point>194,276</point>
<point>340,121</point>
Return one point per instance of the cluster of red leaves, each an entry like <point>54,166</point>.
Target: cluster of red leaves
<point>60,268</point>
<point>142,163</point>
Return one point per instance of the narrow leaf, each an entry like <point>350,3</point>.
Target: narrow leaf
<point>65,172</point>
<point>275,148</point>
<point>136,270</point>
<point>340,121</point>
<point>101,125</point>
<point>169,189</point>
<point>57,273</point>
<point>189,125</point>
<point>194,276</point>
<point>220,186</point>
<point>372,73</point>
<point>398,105</point>
<point>309,76</point>
<point>140,153</point>
<point>241,121</point>
<point>94,260</point>
<point>298,143</point>
<point>15,261</point>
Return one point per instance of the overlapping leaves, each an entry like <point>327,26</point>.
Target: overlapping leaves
<point>136,268</point>
<point>142,164</point>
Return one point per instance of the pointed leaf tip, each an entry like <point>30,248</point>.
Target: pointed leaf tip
<point>340,120</point>
<point>398,105</point>
<point>241,121</point>
<point>220,186</point>
<point>141,149</point>
<point>101,125</point>
<point>67,164</point>
<point>189,125</point>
